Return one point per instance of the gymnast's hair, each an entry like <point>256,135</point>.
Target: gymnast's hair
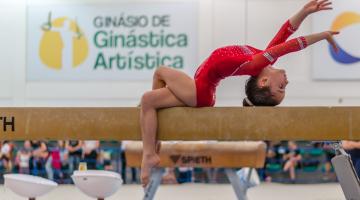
<point>257,96</point>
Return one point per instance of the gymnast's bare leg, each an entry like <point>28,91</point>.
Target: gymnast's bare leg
<point>171,88</point>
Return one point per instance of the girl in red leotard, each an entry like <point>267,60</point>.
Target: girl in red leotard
<point>265,87</point>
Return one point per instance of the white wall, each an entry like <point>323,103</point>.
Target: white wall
<point>221,22</point>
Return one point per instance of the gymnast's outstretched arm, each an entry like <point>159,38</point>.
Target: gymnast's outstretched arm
<point>295,21</point>
<point>267,57</point>
<point>312,6</point>
<point>283,34</point>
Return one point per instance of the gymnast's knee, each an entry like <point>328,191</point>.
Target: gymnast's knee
<point>147,101</point>
<point>158,71</point>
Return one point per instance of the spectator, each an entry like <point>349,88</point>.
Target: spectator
<point>23,158</point>
<point>57,160</point>
<point>53,164</point>
<point>64,158</point>
<point>106,159</point>
<point>5,155</point>
<point>74,148</point>
<point>291,158</point>
<point>353,148</point>
<point>90,153</point>
<point>329,154</point>
<point>211,174</point>
<point>40,155</point>
<point>273,157</point>
<point>169,176</point>
<point>124,166</point>
<point>184,175</point>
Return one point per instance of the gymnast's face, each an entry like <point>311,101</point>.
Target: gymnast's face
<point>276,80</point>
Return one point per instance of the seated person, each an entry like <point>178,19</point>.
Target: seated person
<point>291,158</point>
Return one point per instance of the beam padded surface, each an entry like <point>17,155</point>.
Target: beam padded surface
<point>230,123</point>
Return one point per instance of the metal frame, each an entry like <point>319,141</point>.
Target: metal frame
<point>346,173</point>
<point>154,183</point>
<point>239,187</point>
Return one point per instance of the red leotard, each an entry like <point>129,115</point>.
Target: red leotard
<point>241,60</point>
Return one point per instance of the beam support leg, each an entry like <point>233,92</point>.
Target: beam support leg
<point>154,183</point>
<point>346,173</point>
<point>240,188</point>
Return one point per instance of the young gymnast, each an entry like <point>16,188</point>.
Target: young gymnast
<point>265,87</point>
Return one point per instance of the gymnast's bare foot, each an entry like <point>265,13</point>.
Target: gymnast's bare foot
<point>149,161</point>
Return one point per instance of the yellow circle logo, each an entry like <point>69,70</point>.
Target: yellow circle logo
<point>63,44</point>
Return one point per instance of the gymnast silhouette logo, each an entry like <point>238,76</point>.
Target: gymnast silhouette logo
<point>63,45</point>
<point>342,21</point>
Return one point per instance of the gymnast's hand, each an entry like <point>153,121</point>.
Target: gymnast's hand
<point>316,6</point>
<point>309,8</point>
<point>326,35</point>
<point>329,36</point>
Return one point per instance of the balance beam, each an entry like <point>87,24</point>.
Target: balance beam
<point>237,123</point>
<point>202,154</point>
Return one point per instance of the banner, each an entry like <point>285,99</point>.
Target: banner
<point>344,65</point>
<point>115,42</point>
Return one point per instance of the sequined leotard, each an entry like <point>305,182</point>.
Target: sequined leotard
<point>241,60</point>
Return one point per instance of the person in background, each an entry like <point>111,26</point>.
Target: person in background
<point>39,157</point>
<point>53,164</point>
<point>292,158</point>
<point>23,156</point>
<point>353,148</point>
<point>169,176</point>
<point>133,170</point>
<point>64,158</point>
<point>90,153</point>
<point>74,148</point>
<point>329,154</point>
<point>106,159</point>
<point>5,155</point>
<point>185,175</point>
<point>57,160</point>
<point>273,157</point>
